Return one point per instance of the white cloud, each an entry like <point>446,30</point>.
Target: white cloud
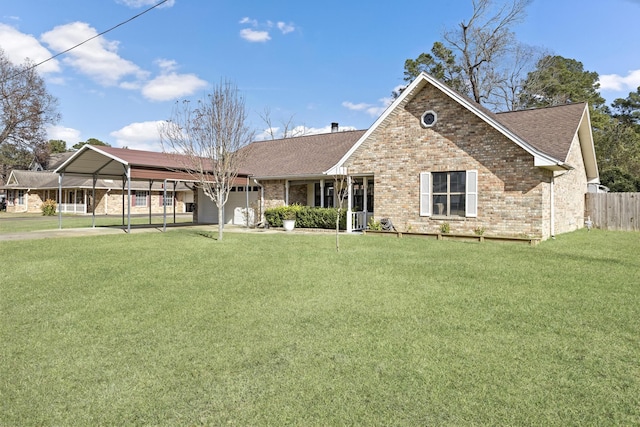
<point>166,65</point>
<point>247,20</point>
<point>171,86</point>
<point>297,131</point>
<point>370,109</point>
<point>255,36</point>
<point>69,135</point>
<point>262,35</point>
<point>97,59</point>
<point>286,28</point>
<point>139,136</point>
<point>616,82</point>
<point>19,46</point>
<point>142,3</point>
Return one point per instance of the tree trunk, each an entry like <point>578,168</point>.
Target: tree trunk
<point>220,221</point>
<point>338,230</point>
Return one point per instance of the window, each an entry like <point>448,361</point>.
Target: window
<point>328,194</point>
<point>20,197</point>
<point>429,119</point>
<point>449,193</point>
<point>168,201</point>
<point>140,198</point>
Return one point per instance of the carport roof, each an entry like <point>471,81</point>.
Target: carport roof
<point>111,162</point>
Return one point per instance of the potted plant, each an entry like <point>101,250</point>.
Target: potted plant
<point>289,220</point>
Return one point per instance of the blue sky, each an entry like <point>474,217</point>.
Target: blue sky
<point>309,62</point>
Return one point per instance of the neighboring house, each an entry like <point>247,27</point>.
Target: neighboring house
<point>28,189</point>
<point>436,157</point>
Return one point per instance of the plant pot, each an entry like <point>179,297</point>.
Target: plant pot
<point>289,224</point>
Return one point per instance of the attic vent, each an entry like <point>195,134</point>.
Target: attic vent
<point>429,119</point>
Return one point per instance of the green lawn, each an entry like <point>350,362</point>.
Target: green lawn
<point>278,329</point>
<point>21,222</point>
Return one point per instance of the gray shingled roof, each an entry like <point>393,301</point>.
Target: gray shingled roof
<point>300,156</point>
<point>550,130</point>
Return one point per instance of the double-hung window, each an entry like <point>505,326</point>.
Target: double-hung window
<point>166,201</point>
<point>449,194</point>
<point>141,198</point>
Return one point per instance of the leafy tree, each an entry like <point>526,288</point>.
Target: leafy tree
<point>57,146</point>
<point>207,141</point>
<point>90,141</point>
<point>619,180</point>
<point>558,80</point>
<point>13,157</point>
<point>25,105</point>
<point>628,109</point>
<point>440,63</point>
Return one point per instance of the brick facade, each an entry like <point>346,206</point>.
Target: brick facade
<point>108,203</point>
<point>511,191</point>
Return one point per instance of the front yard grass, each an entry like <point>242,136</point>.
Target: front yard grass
<point>22,222</point>
<point>279,329</point>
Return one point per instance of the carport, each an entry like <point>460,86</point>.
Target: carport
<point>127,165</point>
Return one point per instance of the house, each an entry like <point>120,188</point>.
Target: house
<point>435,157</point>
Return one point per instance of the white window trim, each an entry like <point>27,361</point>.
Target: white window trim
<point>471,202</point>
<point>425,194</point>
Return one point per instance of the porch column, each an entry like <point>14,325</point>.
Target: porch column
<point>164,206</point>
<point>174,200</point>
<point>364,197</point>
<point>349,202</point>
<point>322,193</point>
<point>149,201</point>
<point>93,199</point>
<point>286,192</point>
<point>129,199</point>
<point>60,177</point>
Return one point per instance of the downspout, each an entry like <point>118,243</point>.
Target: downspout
<point>26,199</point>
<point>553,206</point>
<point>553,203</point>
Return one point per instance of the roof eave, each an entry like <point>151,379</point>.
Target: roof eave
<point>70,160</point>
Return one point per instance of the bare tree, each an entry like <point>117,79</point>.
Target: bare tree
<point>286,130</point>
<point>340,188</point>
<point>520,60</point>
<point>25,107</point>
<point>483,40</point>
<point>207,141</point>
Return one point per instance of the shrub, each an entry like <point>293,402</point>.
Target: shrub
<point>305,216</point>
<point>48,207</point>
<point>374,225</point>
<point>445,228</point>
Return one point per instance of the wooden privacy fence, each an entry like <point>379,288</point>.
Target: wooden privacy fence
<point>614,211</point>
